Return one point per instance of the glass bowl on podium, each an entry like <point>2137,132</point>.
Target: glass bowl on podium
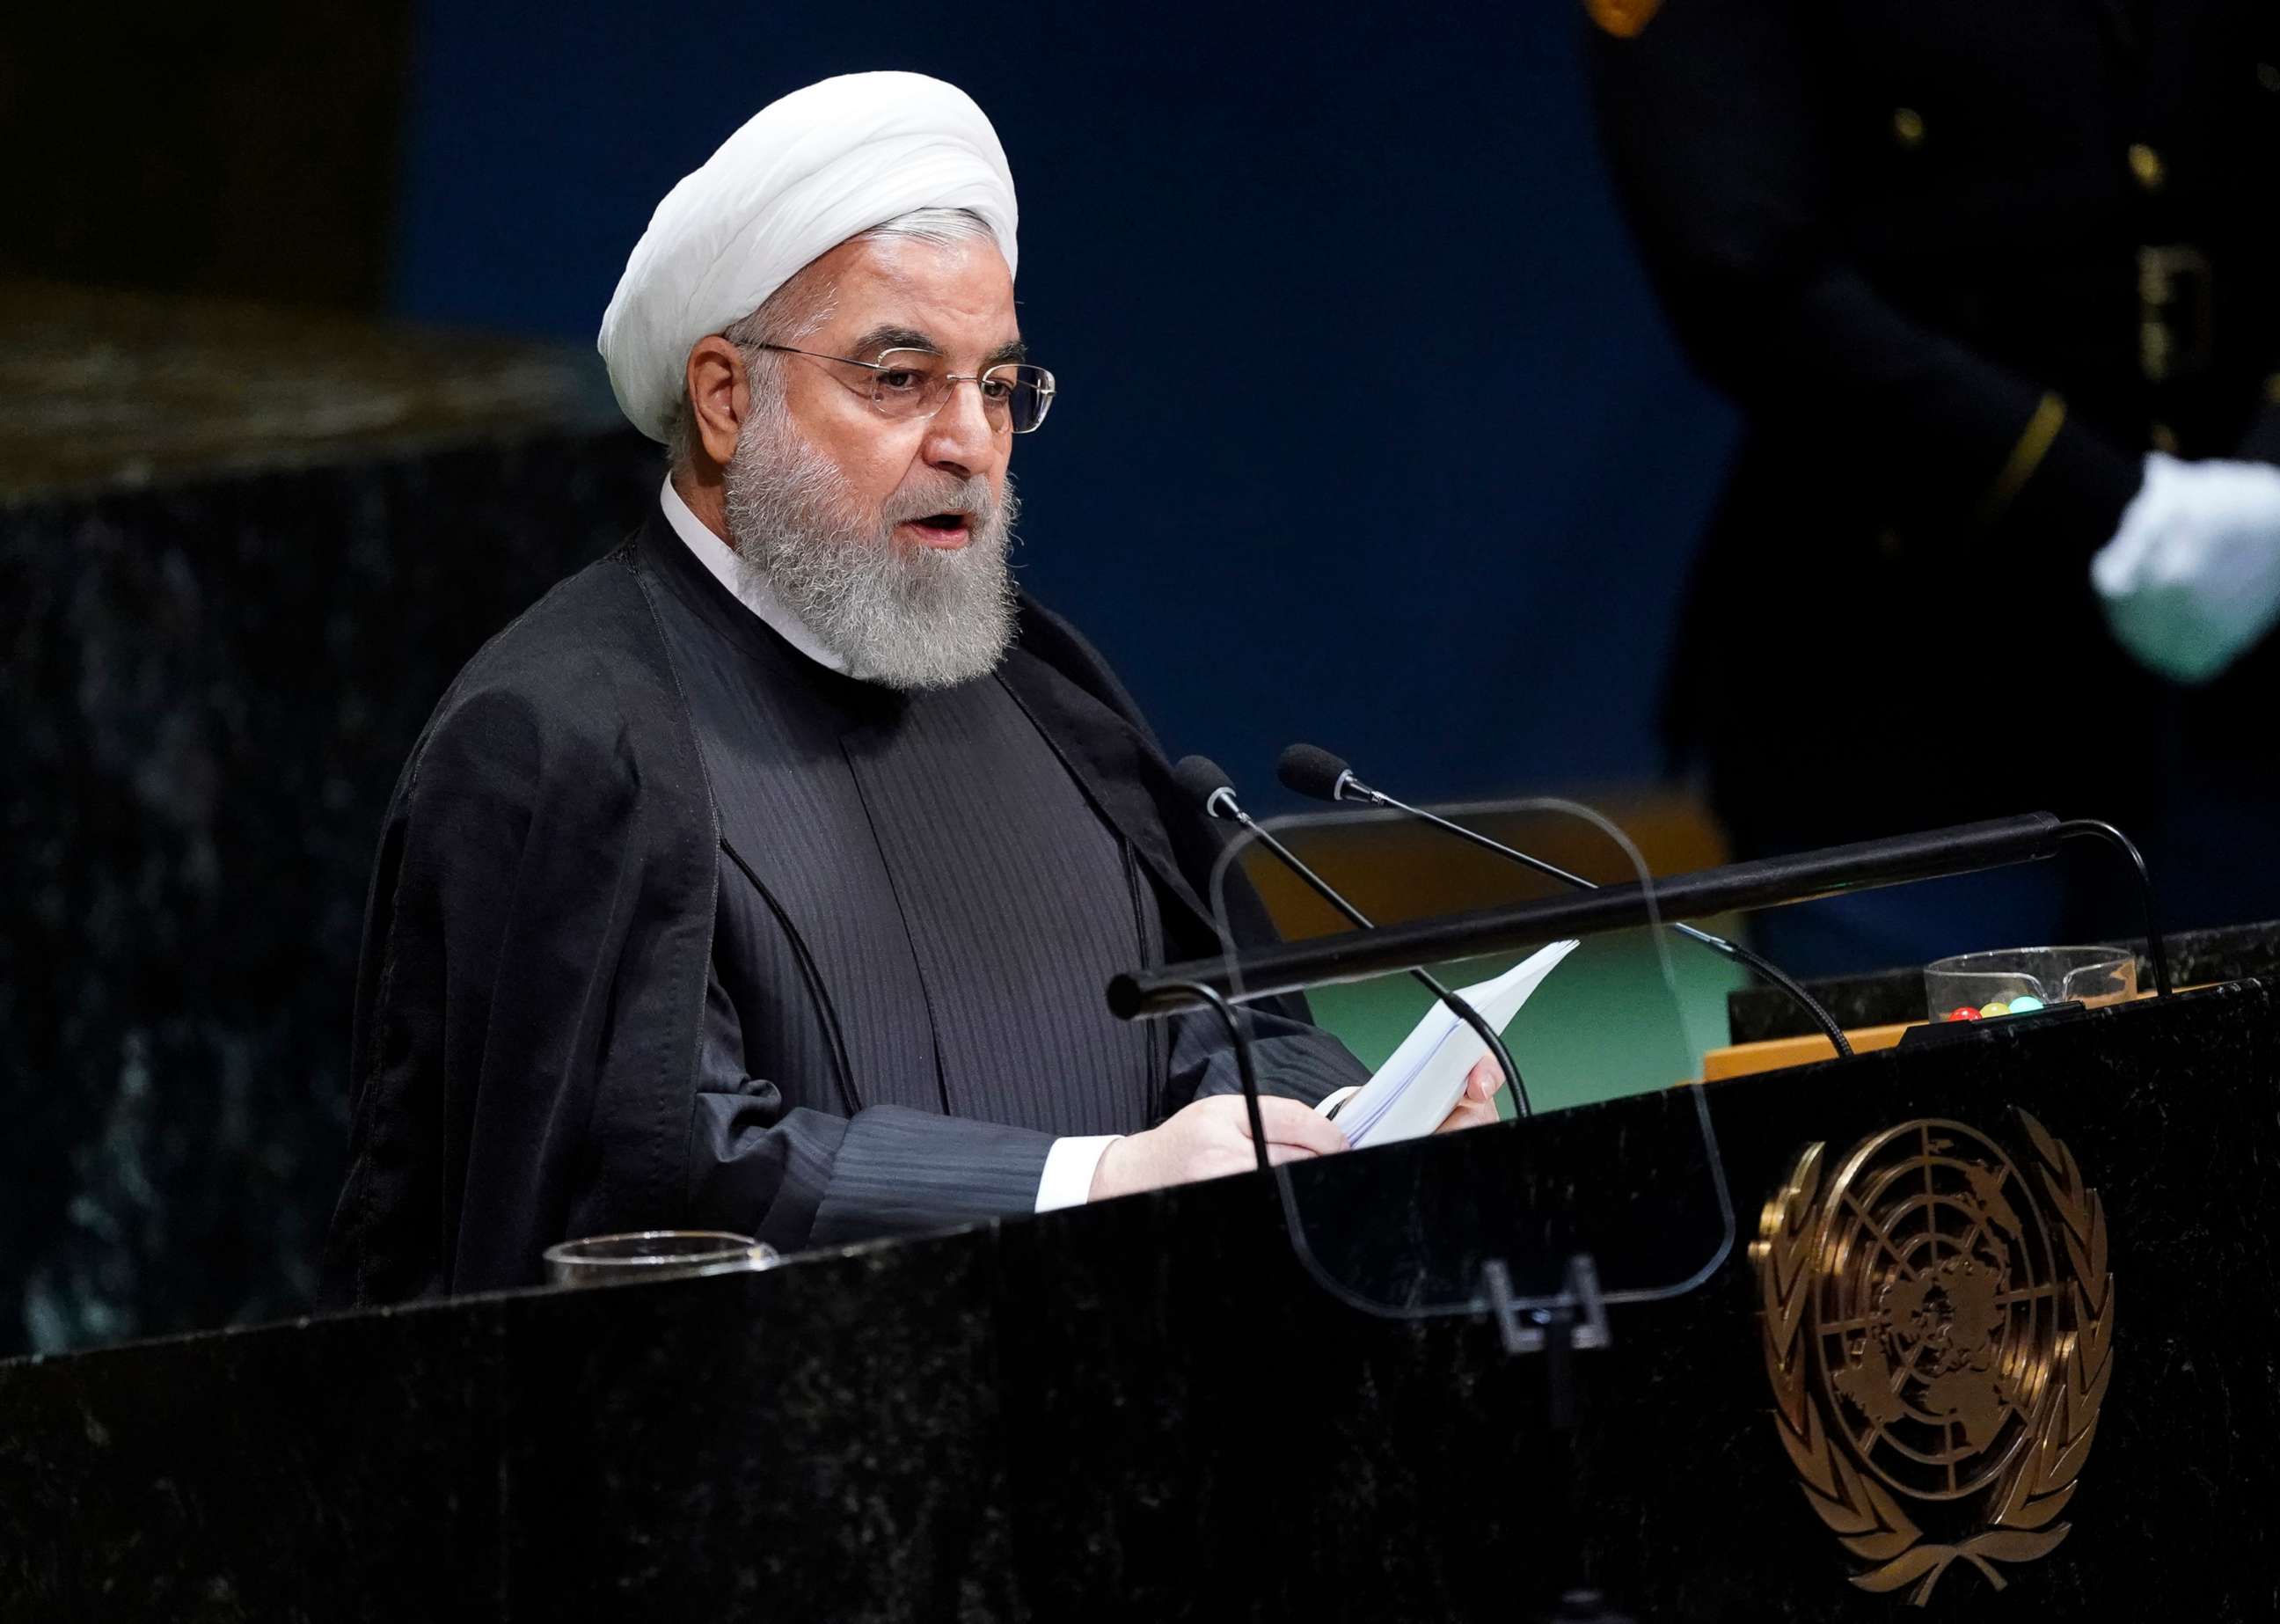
<point>2018,980</point>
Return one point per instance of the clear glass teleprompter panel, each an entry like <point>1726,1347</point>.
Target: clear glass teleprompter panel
<point>1609,1019</point>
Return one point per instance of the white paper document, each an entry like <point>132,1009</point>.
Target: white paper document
<point>1417,1087</point>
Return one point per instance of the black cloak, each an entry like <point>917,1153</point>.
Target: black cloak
<point>529,1053</point>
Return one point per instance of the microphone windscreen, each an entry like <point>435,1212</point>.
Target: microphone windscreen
<point>1311,771</point>
<point>1202,777</point>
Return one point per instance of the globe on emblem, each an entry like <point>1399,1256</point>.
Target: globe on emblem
<point>1935,1324</point>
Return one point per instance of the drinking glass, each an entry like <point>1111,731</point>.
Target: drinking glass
<point>654,1254</point>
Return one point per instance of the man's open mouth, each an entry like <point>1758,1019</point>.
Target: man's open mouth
<point>942,521</point>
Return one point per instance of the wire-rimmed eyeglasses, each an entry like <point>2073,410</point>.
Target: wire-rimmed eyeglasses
<point>907,383</point>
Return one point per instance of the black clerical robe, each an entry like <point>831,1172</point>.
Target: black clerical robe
<point>672,927</point>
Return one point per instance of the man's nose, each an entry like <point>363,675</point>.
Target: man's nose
<point>959,439</point>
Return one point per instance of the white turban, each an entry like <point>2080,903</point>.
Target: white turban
<point>802,176</point>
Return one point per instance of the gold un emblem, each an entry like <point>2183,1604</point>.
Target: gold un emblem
<point>1938,1330</point>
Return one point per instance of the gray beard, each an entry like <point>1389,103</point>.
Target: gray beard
<point>906,617</point>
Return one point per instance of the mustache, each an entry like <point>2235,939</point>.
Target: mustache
<point>971,496</point>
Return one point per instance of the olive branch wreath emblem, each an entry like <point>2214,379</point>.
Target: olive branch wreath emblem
<point>2019,1519</point>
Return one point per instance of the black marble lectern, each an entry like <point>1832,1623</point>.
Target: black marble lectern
<point>1146,1409</point>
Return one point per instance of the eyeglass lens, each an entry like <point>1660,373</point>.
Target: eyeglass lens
<point>915,382</point>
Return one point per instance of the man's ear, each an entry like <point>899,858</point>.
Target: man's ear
<point>720,395</point>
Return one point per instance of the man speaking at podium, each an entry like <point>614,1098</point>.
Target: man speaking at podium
<point>767,874</point>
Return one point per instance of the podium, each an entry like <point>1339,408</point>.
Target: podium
<point>1147,1409</point>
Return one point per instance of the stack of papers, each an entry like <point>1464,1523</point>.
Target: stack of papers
<point>1417,1087</point>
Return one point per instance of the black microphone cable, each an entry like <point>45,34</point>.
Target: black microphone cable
<point>1209,783</point>
<point>2156,950</point>
<point>1311,771</point>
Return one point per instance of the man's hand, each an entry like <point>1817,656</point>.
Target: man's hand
<point>1211,1137</point>
<point>1478,1105</point>
<point>2191,579</point>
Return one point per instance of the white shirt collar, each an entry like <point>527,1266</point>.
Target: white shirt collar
<point>746,586</point>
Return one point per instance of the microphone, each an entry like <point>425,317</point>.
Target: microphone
<point>1313,772</point>
<point>1310,770</point>
<point>1762,882</point>
<point>1208,782</point>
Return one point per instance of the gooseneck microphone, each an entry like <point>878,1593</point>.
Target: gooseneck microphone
<point>1311,771</point>
<point>1204,779</point>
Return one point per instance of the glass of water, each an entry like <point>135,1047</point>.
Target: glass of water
<point>655,1254</point>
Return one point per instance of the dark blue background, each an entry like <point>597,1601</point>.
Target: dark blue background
<point>1369,432</point>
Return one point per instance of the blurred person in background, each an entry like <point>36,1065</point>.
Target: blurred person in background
<point>1998,290</point>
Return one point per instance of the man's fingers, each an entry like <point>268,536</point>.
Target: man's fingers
<point>1468,1114</point>
<point>1484,1078</point>
<point>1288,1122</point>
<point>1276,1153</point>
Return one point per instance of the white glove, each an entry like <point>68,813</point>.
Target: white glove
<point>2192,578</point>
